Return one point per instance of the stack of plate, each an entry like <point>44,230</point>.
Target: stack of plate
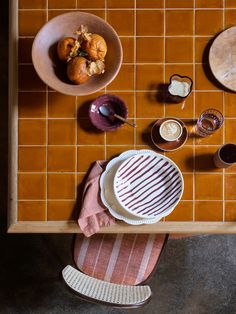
<point>141,186</point>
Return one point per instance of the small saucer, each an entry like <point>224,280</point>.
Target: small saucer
<point>165,145</point>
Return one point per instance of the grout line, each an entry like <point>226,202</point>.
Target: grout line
<point>164,66</point>
<point>141,63</point>
<point>194,112</point>
<point>76,141</point>
<point>105,133</point>
<point>71,199</point>
<point>223,176</point>
<point>82,172</point>
<point>127,91</point>
<point>146,36</point>
<point>131,9</point>
<point>135,71</point>
<point>46,122</point>
<point>100,145</point>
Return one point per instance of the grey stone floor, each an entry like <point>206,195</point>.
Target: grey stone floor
<point>195,275</point>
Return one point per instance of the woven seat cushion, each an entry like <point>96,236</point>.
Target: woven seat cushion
<point>126,259</point>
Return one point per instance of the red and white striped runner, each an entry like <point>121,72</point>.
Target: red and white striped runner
<point>118,258</point>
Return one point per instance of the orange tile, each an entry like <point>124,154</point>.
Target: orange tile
<point>88,134</point>
<point>230,4</point>
<point>30,22</point>
<point>143,131</point>
<point>149,77</point>
<point>31,211</point>
<point>180,111</point>
<point>201,48</point>
<point>61,186</point>
<point>29,80</point>
<point>147,19</point>
<point>128,98</point>
<point>206,100</point>
<point>31,186</point>
<point>179,22</point>
<point>204,79</point>
<point>32,159</point>
<point>87,155</point>
<point>230,184</point>
<point>208,211</point>
<point>230,130</point>
<point>183,158</point>
<point>66,4</point>
<point>124,80</point>
<point>113,151</point>
<point>155,47</point>
<point>61,132</point>
<point>53,13</point>
<point>230,108</point>
<point>120,4</point>
<point>28,4</point>
<point>121,136</point>
<point>61,106</point>
<point>122,21</point>
<point>230,211</point>
<point>83,104</point>
<point>32,132</point>
<point>209,22</point>
<point>148,105</point>
<point>84,4</point>
<point>24,50</point>
<point>214,139</point>
<point>179,3</point>
<point>209,4</point>
<point>61,210</point>
<point>208,187</point>
<point>179,49</point>
<point>182,212</point>
<point>230,16</point>
<point>150,4</point>
<point>204,159</point>
<point>61,158</point>
<point>181,69</point>
<point>31,105</point>
<point>188,186</point>
<point>128,49</point>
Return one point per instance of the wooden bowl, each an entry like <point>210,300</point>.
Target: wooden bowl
<point>222,58</point>
<point>53,72</point>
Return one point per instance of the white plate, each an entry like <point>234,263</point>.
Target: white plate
<point>148,185</point>
<point>107,193</point>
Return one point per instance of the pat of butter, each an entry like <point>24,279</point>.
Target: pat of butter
<point>179,88</point>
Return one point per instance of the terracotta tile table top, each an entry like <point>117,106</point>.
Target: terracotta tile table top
<point>57,144</point>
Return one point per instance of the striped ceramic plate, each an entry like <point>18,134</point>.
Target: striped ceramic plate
<point>148,185</point>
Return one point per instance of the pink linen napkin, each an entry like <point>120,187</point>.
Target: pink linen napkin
<point>93,214</point>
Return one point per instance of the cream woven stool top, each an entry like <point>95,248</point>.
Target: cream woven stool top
<point>98,290</point>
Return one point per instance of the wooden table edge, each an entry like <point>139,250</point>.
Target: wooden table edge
<point>121,227</point>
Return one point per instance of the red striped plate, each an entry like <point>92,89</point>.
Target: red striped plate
<point>148,185</point>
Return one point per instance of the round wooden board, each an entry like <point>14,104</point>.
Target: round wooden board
<point>222,58</point>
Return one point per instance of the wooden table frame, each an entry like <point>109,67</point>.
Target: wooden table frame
<point>71,226</point>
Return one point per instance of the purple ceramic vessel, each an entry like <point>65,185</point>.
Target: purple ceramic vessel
<point>115,105</point>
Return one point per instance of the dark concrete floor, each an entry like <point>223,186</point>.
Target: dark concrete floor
<point>195,275</point>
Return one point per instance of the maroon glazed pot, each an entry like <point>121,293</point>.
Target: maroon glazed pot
<point>115,105</point>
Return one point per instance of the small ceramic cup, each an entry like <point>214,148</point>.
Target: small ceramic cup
<point>225,156</point>
<point>179,88</point>
<point>170,130</point>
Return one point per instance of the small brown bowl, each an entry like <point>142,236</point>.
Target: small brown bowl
<point>53,72</point>
<point>160,143</point>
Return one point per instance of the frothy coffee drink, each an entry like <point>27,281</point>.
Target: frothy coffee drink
<point>170,130</point>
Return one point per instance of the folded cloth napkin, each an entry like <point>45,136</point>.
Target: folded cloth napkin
<point>93,214</point>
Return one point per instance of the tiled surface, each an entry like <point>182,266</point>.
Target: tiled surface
<point>57,143</point>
